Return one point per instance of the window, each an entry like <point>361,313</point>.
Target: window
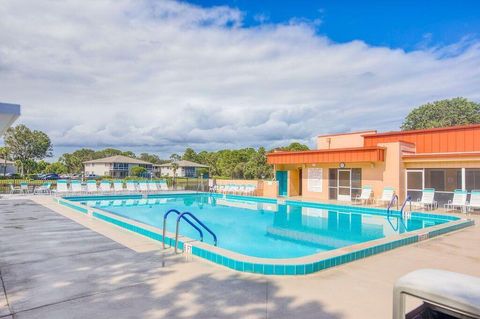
<point>120,166</point>
<point>332,183</point>
<point>472,179</point>
<point>443,180</point>
<point>356,181</point>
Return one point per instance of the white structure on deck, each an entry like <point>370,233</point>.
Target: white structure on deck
<point>185,169</point>
<point>118,166</point>
<point>8,114</point>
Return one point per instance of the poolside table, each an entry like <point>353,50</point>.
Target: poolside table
<point>456,293</point>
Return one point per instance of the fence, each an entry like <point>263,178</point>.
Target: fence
<point>180,183</point>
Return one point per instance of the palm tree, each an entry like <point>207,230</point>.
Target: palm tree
<point>174,168</point>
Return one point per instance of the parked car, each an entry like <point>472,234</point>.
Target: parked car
<point>12,175</point>
<point>51,176</point>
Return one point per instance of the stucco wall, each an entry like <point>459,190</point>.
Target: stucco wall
<point>342,140</point>
<point>378,174</point>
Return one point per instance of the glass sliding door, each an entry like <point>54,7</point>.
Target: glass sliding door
<point>445,181</point>
<point>332,183</point>
<point>414,182</point>
<point>344,184</point>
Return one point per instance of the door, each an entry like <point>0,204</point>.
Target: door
<point>344,185</point>
<point>415,183</point>
<point>300,179</point>
<point>282,178</point>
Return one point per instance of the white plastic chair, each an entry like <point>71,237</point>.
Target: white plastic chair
<point>366,195</point>
<point>142,186</point>
<point>474,200</point>
<point>45,188</point>
<point>387,195</point>
<point>152,186</point>
<point>76,186</point>
<point>92,187</point>
<point>118,186</point>
<point>164,186</point>
<point>131,186</point>
<point>427,200</point>
<point>105,186</point>
<point>459,201</point>
<point>62,187</point>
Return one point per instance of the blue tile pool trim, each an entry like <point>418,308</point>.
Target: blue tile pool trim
<point>275,268</point>
<point>80,209</point>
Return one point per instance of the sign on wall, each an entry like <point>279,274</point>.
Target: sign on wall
<point>315,180</point>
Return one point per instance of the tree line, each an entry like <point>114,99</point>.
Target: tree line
<point>29,148</point>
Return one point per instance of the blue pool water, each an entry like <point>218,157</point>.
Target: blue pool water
<point>268,230</point>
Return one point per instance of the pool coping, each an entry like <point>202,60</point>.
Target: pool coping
<point>280,266</point>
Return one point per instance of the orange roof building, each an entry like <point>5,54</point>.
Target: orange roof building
<point>408,161</point>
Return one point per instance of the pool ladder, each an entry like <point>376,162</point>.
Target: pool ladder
<point>187,219</point>
<point>403,214</point>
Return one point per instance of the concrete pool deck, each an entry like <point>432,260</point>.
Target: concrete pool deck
<point>56,263</point>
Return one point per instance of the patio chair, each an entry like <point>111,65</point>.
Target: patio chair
<point>131,186</point>
<point>142,186</point>
<point>92,187</point>
<point>365,197</point>
<point>387,195</point>
<point>152,186</point>
<point>474,200</point>
<point>459,201</point>
<point>76,186</point>
<point>163,186</point>
<point>24,188</point>
<point>427,200</point>
<point>118,186</point>
<point>105,186</point>
<point>15,189</point>
<point>62,187</point>
<point>45,188</point>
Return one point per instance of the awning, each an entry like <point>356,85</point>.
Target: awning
<point>345,155</point>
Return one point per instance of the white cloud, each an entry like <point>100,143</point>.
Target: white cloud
<point>175,75</point>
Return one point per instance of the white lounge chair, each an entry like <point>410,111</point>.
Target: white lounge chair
<point>163,186</point>
<point>76,186</point>
<point>131,186</point>
<point>143,186</point>
<point>152,186</point>
<point>24,188</point>
<point>45,188</point>
<point>118,186</point>
<point>387,196</point>
<point>15,189</point>
<point>105,186</point>
<point>92,187</point>
<point>474,200</point>
<point>427,200</point>
<point>365,197</point>
<point>62,187</point>
<point>459,201</point>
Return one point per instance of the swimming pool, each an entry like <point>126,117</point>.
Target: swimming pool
<point>265,230</point>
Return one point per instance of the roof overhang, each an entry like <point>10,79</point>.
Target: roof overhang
<point>345,155</point>
<point>442,157</point>
<point>8,114</point>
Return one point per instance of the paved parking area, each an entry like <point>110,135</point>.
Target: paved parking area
<point>56,263</point>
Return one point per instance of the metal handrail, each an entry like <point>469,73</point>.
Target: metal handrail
<point>394,199</point>
<point>408,199</point>
<point>182,215</point>
<point>186,219</point>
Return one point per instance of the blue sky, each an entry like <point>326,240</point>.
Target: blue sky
<point>408,24</point>
<point>163,75</point>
